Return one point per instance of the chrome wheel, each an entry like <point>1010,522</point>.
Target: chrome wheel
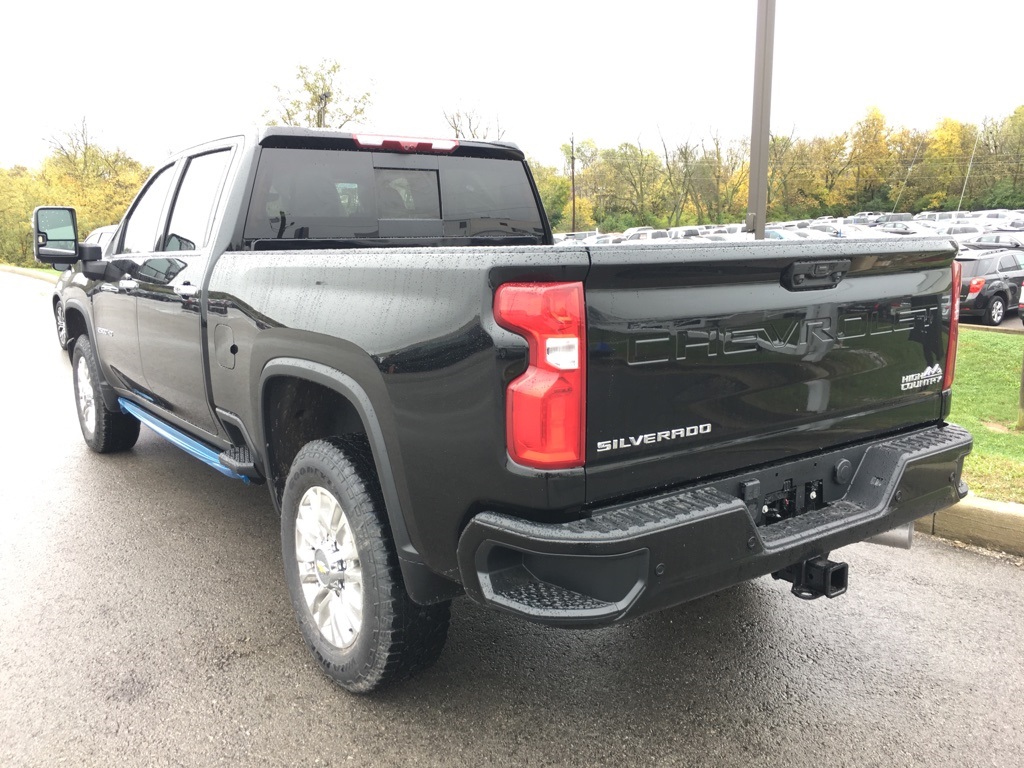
<point>62,328</point>
<point>86,395</point>
<point>343,574</point>
<point>329,570</point>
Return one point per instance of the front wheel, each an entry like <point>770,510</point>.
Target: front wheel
<point>104,430</point>
<point>62,326</point>
<point>996,311</point>
<point>343,575</point>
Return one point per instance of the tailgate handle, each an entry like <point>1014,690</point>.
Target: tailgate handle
<point>814,275</point>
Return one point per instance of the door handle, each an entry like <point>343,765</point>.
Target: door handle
<point>187,290</point>
<point>127,284</point>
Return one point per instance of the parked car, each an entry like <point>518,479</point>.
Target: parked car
<point>887,218</point>
<point>994,240</point>
<point>905,228</point>
<point>782,234</point>
<point>990,282</point>
<point>960,232</point>
<point>101,235</point>
<point>437,410</point>
<point>605,239</point>
<point>998,216</point>
<point>646,235</point>
<point>829,228</point>
<point>859,230</point>
<point>677,233</point>
<point>944,216</point>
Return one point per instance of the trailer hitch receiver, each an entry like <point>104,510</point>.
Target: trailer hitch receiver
<point>813,578</point>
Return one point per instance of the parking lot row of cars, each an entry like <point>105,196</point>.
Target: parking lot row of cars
<point>991,246</point>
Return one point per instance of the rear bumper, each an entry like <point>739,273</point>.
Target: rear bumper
<point>650,554</point>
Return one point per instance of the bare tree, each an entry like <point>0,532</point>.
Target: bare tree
<point>679,166</point>
<point>469,125</point>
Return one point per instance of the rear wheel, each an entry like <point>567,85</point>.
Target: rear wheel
<point>343,575</point>
<point>996,311</point>
<point>104,430</point>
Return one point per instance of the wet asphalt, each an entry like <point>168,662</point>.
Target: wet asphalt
<point>144,621</point>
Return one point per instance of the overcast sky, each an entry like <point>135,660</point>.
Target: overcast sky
<point>155,78</point>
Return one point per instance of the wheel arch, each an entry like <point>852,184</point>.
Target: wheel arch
<point>301,401</point>
<point>76,320</point>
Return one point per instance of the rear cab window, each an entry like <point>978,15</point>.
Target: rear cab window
<point>345,196</point>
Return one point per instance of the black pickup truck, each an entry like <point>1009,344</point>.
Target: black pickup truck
<point>441,401</point>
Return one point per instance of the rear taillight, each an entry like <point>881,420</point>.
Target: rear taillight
<point>976,285</point>
<point>545,407</point>
<point>954,327</point>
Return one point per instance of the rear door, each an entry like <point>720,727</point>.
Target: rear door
<point>703,359</point>
<point>1012,270</point>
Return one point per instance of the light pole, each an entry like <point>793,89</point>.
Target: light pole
<point>757,204</point>
<point>321,111</point>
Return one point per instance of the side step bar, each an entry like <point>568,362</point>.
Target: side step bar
<point>236,463</point>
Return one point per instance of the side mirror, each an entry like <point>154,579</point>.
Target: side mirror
<point>56,236</point>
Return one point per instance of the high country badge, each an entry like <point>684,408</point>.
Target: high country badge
<point>930,375</point>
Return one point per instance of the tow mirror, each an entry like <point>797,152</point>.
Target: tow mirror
<point>56,236</point>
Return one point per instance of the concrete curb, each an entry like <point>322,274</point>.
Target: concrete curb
<point>990,524</point>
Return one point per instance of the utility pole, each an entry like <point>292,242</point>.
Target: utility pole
<point>757,202</point>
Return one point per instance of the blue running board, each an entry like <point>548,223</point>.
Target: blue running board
<point>178,438</point>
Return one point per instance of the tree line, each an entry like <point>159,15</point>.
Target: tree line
<point>99,183</point>
<point>873,166</point>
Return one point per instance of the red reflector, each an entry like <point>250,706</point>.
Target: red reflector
<point>406,143</point>
<point>545,407</point>
<point>954,326</point>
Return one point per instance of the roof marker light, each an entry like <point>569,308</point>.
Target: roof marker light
<point>405,143</point>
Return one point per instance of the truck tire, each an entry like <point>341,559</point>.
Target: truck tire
<point>996,311</point>
<point>62,326</point>
<point>104,430</point>
<point>343,575</point>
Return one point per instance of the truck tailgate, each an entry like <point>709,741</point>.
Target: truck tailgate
<point>705,359</point>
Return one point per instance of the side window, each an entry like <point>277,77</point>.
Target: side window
<point>196,201</point>
<point>140,232</point>
<point>1008,263</point>
<point>313,194</point>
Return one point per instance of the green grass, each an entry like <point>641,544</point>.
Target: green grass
<point>985,401</point>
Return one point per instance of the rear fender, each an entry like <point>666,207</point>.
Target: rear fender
<point>423,585</point>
